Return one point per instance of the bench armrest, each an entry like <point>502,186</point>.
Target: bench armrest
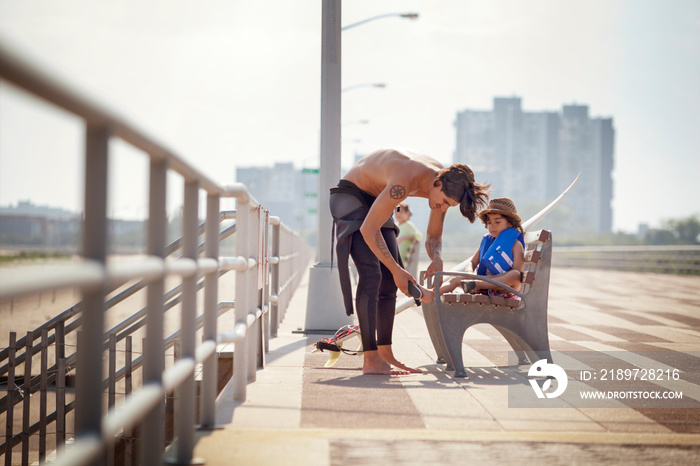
<point>436,283</point>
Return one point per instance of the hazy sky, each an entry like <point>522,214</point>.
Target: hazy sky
<point>229,83</point>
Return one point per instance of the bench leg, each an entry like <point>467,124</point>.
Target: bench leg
<point>453,325</point>
<point>514,343</point>
<point>530,339</point>
<point>429,311</point>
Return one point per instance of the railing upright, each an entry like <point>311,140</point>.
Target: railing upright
<point>9,416</point>
<point>252,292</point>
<point>211,297</point>
<point>42,394</point>
<point>275,279</point>
<point>152,427</point>
<point>185,393</point>
<point>26,399</point>
<point>240,378</point>
<point>88,415</point>
<point>265,291</point>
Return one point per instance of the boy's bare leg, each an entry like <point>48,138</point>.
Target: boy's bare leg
<point>374,364</point>
<point>387,355</point>
<point>450,285</point>
<point>428,294</point>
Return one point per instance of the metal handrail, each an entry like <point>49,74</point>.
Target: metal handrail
<point>144,407</point>
<point>74,310</point>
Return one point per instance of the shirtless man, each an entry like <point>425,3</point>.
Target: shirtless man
<point>362,205</point>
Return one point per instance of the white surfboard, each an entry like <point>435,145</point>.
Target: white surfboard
<point>532,221</point>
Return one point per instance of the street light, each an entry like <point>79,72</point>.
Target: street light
<point>411,16</point>
<point>355,86</point>
<point>355,122</point>
<point>325,309</point>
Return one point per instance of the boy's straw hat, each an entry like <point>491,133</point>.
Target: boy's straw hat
<point>503,206</point>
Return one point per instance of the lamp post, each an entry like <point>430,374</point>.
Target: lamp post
<point>325,310</point>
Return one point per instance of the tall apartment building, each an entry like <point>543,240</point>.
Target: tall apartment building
<point>532,156</point>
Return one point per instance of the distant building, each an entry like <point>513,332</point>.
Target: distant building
<point>288,193</point>
<point>31,224</point>
<point>532,156</point>
<point>28,224</point>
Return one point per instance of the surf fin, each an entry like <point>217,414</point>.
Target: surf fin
<point>333,356</point>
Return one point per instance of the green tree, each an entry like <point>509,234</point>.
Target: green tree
<point>659,236</point>
<point>686,230</point>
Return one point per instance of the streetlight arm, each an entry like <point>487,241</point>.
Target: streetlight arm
<point>403,15</point>
<point>355,86</point>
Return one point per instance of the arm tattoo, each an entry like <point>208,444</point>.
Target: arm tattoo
<point>381,244</point>
<point>433,246</point>
<point>397,192</point>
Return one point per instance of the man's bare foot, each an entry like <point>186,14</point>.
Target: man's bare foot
<point>374,364</point>
<point>387,355</point>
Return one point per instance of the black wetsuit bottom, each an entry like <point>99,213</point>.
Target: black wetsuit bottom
<point>375,298</point>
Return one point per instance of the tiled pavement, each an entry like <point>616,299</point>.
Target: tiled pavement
<point>298,412</point>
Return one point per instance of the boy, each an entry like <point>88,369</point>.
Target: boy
<point>501,254</point>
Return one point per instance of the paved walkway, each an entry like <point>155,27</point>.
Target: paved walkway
<point>298,412</point>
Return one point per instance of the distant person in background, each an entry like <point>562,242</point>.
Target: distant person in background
<point>409,239</point>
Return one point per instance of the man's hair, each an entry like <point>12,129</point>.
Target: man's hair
<point>458,183</point>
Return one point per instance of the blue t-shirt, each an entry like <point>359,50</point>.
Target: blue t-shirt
<point>496,254</point>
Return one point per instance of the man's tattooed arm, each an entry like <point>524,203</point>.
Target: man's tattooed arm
<point>433,246</point>
<point>381,245</point>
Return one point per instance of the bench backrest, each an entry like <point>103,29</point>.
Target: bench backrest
<point>538,248</point>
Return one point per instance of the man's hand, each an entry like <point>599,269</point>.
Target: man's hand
<point>435,266</point>
<point>401,278</point>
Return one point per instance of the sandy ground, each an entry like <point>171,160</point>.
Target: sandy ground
<point>26,313</point>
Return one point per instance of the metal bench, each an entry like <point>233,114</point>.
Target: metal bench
<point>523,323</point>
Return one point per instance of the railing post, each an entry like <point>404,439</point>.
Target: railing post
<point>275,278</point>
<point>88,413</point>
<point>152,428</point>
<point>43,393</point>
<point>60,343</point>
<point>128,432</point>
<point>27,398</point>
<point>60,403</point>
<point>10,399</point>
<point>240,359</point>
<point>185,393</point>
<point>111,386</point>
<point>211,292</point>
<point>252,335</point>
<point>265,292</point>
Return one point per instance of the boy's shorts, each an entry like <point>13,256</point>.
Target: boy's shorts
<point>502,294</point>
